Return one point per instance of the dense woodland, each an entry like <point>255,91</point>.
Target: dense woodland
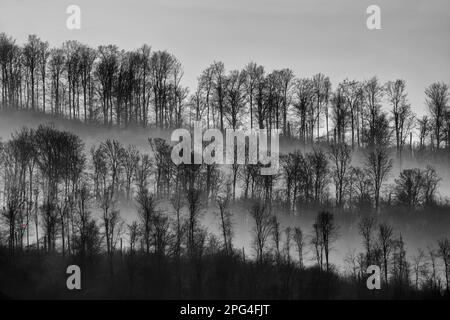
<point>61,202</point>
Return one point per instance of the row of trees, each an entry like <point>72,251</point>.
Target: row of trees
<point>308,178</point>
<point>105,85</point>
<point>52,188</point>
<point>381,246</point>
<point>143,87</point>
<point>47,170</point>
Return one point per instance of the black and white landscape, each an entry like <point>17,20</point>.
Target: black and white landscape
<point>89,98</point>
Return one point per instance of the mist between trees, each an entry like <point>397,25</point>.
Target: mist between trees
<point>52,188</point>
<point>51,185</point>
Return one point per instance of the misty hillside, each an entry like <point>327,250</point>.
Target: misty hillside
<point>429,225</point>
<point>87,176</point>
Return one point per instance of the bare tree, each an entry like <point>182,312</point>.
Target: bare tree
<point>223,202</point>
<point>161,234</point>
<point>114,154</point>
<point>385,239</point>
<point>251,71</point>
<point>430,184</point>
<point>57,62</point>
<point>263,228</point>
<point>378,164</point>
<point>366,229</point>
<point>317,243</point>
<point>400,266</point>
<point>205,93</point>
<point>162,164</point>
<point>437,101</point>
<point>13,205</point>
<point>87,58</point>
<point>304,95</point>
<point>353,93</point>
<point>322,90</point>
<point>328,231</point>
<point>341,156</point>
<point>105,72</point>
<point>83,199</point>
<point>219,85</point>
<point>287,244</point>
<point>373,93</point>
<point>444,254</point>
<point>133,234</point>
<point>44,53</point>
<point>130,164</point>
<point>31,55</point>
<point>235,98</point>
<point>194,203</point>
<point>276,237</point>
<point>409,187</point>
<point>424,130</point>
<point>433,279</point>
<point>300,243</point>
<point>286,77</point>
<point>419,266</point>
<point>143,171</point>
<point>72,67</point>
<point>177,202</point>
<point>319,168</point>
<point>340,114</point>
<point>147,211</point>
<point>109,214</point>
<point>401,111</point>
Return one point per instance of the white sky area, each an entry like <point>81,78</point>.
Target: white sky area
<point>308,36</point>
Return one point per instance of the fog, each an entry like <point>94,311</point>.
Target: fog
<point>419,230</point>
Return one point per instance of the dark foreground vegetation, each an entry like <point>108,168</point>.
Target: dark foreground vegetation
<point>218,276</point>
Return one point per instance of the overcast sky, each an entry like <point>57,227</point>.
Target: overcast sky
<point>311,36</point>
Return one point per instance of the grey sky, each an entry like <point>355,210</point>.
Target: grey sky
<point>328,36</point>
